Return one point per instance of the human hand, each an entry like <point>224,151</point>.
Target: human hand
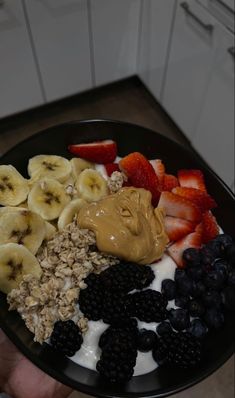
<point>21,379</point>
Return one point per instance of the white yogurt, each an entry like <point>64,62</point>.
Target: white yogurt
<point>89,353</point>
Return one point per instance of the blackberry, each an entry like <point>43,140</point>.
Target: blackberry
<point>169,289</point>
<point>118,358</point>
<point>178,349</point>
<point>115,308</point>
<point>126,277</point>
<point>91,299</point>
<point>129,326</point>
<point>66,337</point>
<point>148,306</point>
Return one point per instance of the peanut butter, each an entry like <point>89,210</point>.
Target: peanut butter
<point>126,225</point>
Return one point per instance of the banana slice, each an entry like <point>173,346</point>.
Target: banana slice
<point>69,212</point>
<point>48,198</point>
<point>50,230</point>
<point>78,165</point>
<point>91,186</point>
<point>50,166</point>
<point>23,227</point>
<point>9,209</point>
<point>13,186</point>
<point>15,262</point>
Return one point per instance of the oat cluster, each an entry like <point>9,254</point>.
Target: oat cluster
<point>116,181</point>
<point>66,260</point>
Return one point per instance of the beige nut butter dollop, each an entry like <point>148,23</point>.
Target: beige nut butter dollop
<point>126,225</point>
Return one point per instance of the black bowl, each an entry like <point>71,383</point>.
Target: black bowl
<point>129,138</point>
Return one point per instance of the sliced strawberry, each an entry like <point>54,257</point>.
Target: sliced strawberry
<point>97,152</point>
<point>180,207</point>
<point>141,174</point>
<point>191,179</point>
<point>159,169</point>
<point>177,228</point>
<point>176,250</point>
<point>111,167</point>
<point>201,198</point>
<point>169,182</point>
<point>208,227</point>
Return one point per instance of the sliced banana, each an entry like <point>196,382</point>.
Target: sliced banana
<point>50,166</point>
<point>48,198</point>
<point>50,230</point>
<point>15,262</point>
<point>10,209</point>
<point>91,186</point>
<point>69,212</point>
<point>23,227</point>
<point>14,187</point>
<point>78,165</point>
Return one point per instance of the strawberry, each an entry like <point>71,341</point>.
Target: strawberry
<point>111,167</point>
<point>201,198</point>
<point>191,179</point>
<point>159,169</point>
<point>176,250</point>
<point>180,207</point>
<point>98,152</point>
<point>177,228</point>
<point>141,174</point>
<point>208,227</point>
<point>169,182</point>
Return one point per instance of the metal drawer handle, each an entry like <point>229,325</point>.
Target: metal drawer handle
<point>225,6</point>
<point>208,27</point>
<point>231,51</point>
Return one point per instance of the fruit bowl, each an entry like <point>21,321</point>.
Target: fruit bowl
<point>162,381</point>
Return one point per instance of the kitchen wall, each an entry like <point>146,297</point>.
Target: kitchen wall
<point>182,50</point>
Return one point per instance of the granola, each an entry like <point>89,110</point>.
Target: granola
<point>116,181</point>
<point>66,260</point>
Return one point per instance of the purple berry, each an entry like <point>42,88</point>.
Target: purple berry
<point>198,328</point>
<point>146,340</point>
<point>179,319</point>
<point>169,289</point>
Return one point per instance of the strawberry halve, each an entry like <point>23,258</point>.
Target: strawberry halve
<point>101,152</point>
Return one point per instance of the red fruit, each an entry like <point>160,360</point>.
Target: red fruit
<point>191,179</point>
<point>97,152</point>
<point>208,228</point>
<point>176,250</point>
<point>111,167</point>
<point>180,207</point>
<point>159,169</point>
<point>177,228</point>
<point>201,198</point>
<point>141,174</point>
<point>169,182</point>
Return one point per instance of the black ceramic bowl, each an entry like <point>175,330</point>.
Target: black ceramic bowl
<point>129,138</point>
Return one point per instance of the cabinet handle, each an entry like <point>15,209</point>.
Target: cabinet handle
<point>225,6</point>
<point>231,51</point>
<point>208,27</point>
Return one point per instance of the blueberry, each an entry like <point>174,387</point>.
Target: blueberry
<point>198,289</point>
<point>198,328</point>
<point>179,274</point>
<point>222,266</point>
<point>214,280</point>
<point>225,241</point>
<point>196,308</point>
<point>192,256</point>
<point>184,286</point>
<point>207,256</point>
<point>215,246</point>
<point>231,277</point>
<point>169,289</point>
<point>146,340</point>
<point>179,319</point>
<point>230,254</point>
<point>212,299</point>
<point>195,273</point>
<point>228,298</point>
<point>163,328</point>
<point>182,301</point>
<point>214,318</point>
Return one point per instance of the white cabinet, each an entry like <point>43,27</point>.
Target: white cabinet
<point>115,38</point>
<point>189,66</point>
<point>214,138</point>
<point>61,38</point>
<point>19,84</point>
<point>155,28</point>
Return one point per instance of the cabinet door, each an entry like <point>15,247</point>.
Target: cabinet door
<point>19,84</point>
<point>189,67</point>
<point>61,39</point>
<point>115,35</point>
<point>214,138</point>
<point>156,20</point>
